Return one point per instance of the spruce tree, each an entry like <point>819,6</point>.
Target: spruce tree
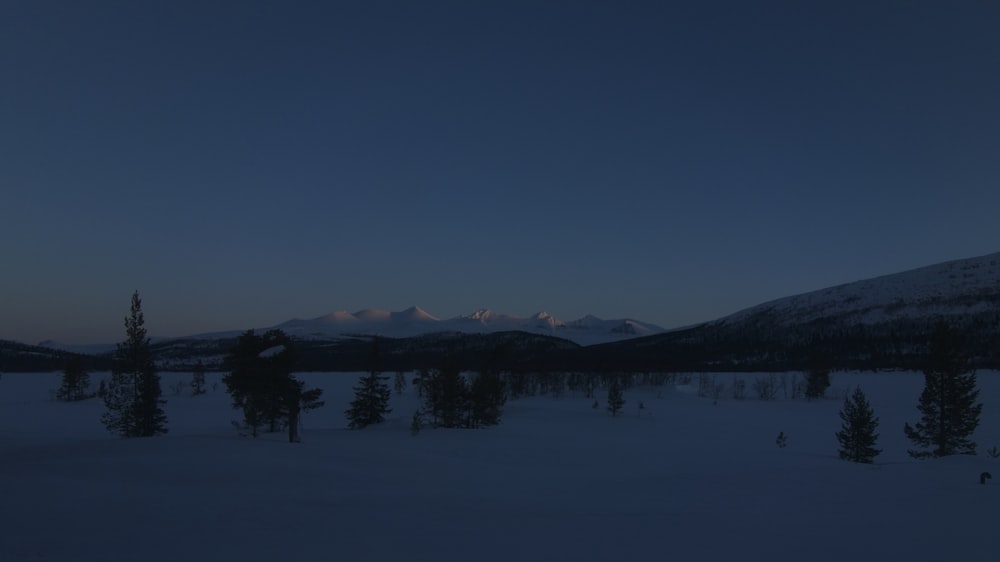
<point>75,381</point>
<point>371,396</point>
<point>371,401</point>
<point>616,400</point>
<point>133,396</point>
<point>857,435</point>
<point>949,413</point>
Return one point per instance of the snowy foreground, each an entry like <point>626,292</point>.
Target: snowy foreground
<point>558,480</point>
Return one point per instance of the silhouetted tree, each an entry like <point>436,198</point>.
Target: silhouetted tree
<point>948,411</point>
<point>857,435</point>
<point>133,397</point>
<point>75,381</point>
<point>616,399</point>
<point>371,396</point>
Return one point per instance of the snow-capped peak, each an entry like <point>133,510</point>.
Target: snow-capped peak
<point>414,321</point>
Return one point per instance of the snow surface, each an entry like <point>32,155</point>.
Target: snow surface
<point>558,480</point>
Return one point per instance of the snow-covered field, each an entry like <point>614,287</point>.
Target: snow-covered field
<point>558,480</point>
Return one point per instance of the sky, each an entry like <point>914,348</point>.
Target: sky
<point>243,163</point>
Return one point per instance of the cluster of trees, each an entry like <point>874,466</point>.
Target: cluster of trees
<point>262,387</point>
<point>449,399</point>
<point>949,414</point>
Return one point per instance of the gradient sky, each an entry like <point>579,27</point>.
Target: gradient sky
<point>242,163</point>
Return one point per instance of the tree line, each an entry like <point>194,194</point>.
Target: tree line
<point>262,387</point>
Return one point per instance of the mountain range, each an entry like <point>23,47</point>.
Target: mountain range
<point>415,321</point>
<point>875,323</point>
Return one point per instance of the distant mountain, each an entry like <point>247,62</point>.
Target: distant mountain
<point>879,323</point>
<point>19,357</point>
<point>956,289</point>
<point>882,322</point>
<point>415,321</point>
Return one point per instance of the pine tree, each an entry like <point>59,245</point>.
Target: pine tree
<point>949,414</point>
<point>133,396</point>
<point>75,381</point>
<point>371,396</point>
<point>616,400</point>
<point>371,401</point>
<point>198,380</point>
<point>857,435</point>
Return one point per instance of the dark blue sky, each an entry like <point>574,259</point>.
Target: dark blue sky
<point>241,163</point>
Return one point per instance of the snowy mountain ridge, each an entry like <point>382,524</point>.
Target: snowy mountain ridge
<point>416,321</point>
<point>957,287</point>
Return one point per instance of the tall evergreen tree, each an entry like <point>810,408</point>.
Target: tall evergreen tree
<point>857,435</point>
<point>948,411</point>
<point>371,396</point>
<point>616,399</point>
<point>75,381</point>
<point>133,396</point>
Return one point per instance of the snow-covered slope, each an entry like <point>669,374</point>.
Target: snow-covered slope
<point>415,321</point>
<point>959,287</point>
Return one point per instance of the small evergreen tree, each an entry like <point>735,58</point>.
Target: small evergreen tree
<point>949,413</point>
<point>198,380</point>
<point>75,381</point>
<point>857,435</point>
<point>400,382</point>
<point>616,399</point>
<point>371,396</point>
<point>133,396</point>
<point>371,401</point>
